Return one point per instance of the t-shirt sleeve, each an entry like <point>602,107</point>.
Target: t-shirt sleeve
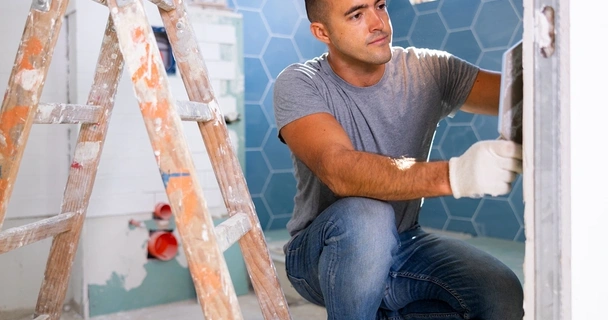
<point>454,76</point>
<point>296,95</point>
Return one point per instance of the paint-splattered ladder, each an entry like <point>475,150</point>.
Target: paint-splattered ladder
<point>129,40</point>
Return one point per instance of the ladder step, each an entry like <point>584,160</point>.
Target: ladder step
<point>166,5</point>
<point>62,113</point>
<point>17,237</point>
<point>194,111</point>
<point>231,230</point>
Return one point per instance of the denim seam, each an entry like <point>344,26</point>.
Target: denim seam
<point>331,267</point>
<point>429,316</point>
<point>439,283</point>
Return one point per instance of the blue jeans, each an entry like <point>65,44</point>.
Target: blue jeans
<point>352,261</point>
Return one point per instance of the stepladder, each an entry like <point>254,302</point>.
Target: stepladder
<point>129,42</point>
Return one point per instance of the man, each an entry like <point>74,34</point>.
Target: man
<point>359,121</point>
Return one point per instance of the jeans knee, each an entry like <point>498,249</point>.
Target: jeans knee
<point>505,297</point>
<point>365,227</point>
<point>366,213</point>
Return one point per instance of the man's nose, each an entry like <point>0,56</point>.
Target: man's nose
<point>375,21</point>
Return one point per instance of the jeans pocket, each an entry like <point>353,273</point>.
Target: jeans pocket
<point>306,291</point>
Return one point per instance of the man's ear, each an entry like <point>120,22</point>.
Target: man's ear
<point>319,31</point>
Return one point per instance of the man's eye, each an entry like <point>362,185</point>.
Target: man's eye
<point>356,16</point>
<point>382,6</point>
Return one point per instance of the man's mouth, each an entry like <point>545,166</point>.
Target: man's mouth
<point>379,40</point>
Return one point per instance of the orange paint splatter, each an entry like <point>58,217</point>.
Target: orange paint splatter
<point>32,48</point>
<point>184,184</point>
<point>138,35</point>
<point>148,72</point>
<point>11,122</point>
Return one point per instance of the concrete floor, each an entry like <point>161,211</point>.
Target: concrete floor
<point>510,253</point>
<point>190,310</point>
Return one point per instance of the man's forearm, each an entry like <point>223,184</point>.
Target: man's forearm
<point>355,173</point>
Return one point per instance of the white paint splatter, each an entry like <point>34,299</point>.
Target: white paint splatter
<point>28,79</point>
<point>86,151</point>
<point>45,110</point>
<point>205,235</point>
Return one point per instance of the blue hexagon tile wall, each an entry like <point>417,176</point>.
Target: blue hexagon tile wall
<point>277,34</point>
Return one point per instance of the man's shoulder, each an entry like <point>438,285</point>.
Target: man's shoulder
<point>301,70</point>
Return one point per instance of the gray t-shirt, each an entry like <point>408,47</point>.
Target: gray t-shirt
<point>396,117</point>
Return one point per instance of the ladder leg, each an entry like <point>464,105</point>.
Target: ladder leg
<point>205,260</point>
<point>225,163</point>
<point>81,177</point>
<point>23,92</point>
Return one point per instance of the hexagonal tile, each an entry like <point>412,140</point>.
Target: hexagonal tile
<point>486,127</point>
<point>459,14</point>
<point>457,140</point>
<point>256,171</point>
<point>461,117</point>
<point>462,208</point>
<point>428,31</point>
<point>464,226</point>
<point>427,7</point>
<point>496,23</point>
<point>256,79</point>
<point>433,214</point>
<point>280,193</point>
<point>435,155</point>
<point>516,197</point>
<point>402,17</point>
<point>279,54</point>
<point>518,35</point>
<point>491,59</point>
<point>254,42</point>
<point>308,45</point>
<point>442,127</point>
<point>463,45</point>
<point>519,7</point>
<point>268,106</point>
<point>256,126</point>
<point>249,4</point>
<point>278,222</point>
<point>262,210</point>
<point>301,6</point>
<point>281,16</point>
<point>496,219</point>
<point>404,43</point>
<point>521,236</point>
<point>277,153</point>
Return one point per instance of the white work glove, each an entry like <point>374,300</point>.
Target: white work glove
<point>487,167</point>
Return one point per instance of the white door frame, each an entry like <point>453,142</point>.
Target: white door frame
<point>547,159</point>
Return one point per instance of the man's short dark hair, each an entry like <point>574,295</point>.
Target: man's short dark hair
<point>316,10</point>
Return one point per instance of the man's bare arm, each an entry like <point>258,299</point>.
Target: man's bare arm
<point>485,94</point>
<point>320,142</point>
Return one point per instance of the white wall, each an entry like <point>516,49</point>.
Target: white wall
<point>128,183</point>
<point>589,175</point>
<point>128,179</point>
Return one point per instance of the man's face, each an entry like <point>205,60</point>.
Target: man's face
<point>360,30</point>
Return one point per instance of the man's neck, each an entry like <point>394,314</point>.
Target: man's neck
<point>356,73</point>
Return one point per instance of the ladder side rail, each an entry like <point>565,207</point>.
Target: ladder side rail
<point>23,92</point>
<point>81,176</point>
<point>225,163</point>
<point>206,262</point>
